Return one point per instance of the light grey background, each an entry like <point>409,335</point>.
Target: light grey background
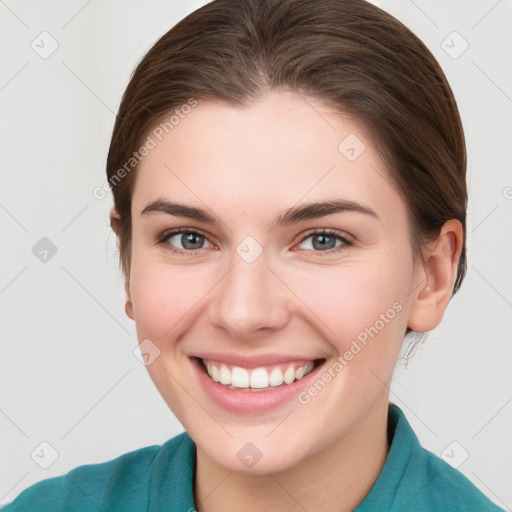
<point>69,376</point>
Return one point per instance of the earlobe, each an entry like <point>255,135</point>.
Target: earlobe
<point>435,278</point>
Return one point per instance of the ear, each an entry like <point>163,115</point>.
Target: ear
<point>435,277</point>
<point>128,305</point>
<point>115,219</point>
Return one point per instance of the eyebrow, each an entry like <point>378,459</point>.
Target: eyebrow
<point>290,216</point>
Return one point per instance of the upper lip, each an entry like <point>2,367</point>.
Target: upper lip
<point>252,361</point>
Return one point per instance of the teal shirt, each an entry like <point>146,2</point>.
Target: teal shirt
<point>161,478</point>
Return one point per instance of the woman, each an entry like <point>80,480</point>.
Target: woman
<point>290,202</point>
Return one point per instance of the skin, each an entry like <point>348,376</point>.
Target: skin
<point>247,166</point>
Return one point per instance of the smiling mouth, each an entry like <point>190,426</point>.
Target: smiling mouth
<point>263,378</point>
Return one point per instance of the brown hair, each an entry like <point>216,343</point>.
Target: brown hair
<point>348,53</point>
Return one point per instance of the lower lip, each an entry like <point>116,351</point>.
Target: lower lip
<point>251,401</point>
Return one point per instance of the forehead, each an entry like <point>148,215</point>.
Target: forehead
<point>282,150</point>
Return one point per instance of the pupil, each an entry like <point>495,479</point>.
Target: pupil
<point>190,238</point>
<point>322,245</point>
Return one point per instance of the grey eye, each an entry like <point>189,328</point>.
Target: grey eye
<point>188,240</point>
<point>321,242</point>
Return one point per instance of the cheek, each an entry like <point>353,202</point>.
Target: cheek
<point>358,302</point>
<point>342,300</point>
<point>166,303</point>
<point>163,297</point>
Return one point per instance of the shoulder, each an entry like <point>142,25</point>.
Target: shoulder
<point>431,484</point>
<point>118,484</point>
<point>414,479</point>
<point>446,488</point>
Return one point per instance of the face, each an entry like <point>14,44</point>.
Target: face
<point>246,279</point>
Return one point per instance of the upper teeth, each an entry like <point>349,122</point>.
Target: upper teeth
<point>259,378</point>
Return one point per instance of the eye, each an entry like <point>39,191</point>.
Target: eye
<point>325,240</point>
<point>189,239</point>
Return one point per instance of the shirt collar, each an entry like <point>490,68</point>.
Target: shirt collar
<point>172,476</point>
<point>404,448</point>
<point>174,467</point>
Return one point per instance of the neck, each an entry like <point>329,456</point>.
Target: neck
<point>335,479</point>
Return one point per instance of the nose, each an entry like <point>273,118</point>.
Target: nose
<point>250,301</point>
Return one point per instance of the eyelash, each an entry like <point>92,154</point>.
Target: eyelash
<point>346,242</point>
